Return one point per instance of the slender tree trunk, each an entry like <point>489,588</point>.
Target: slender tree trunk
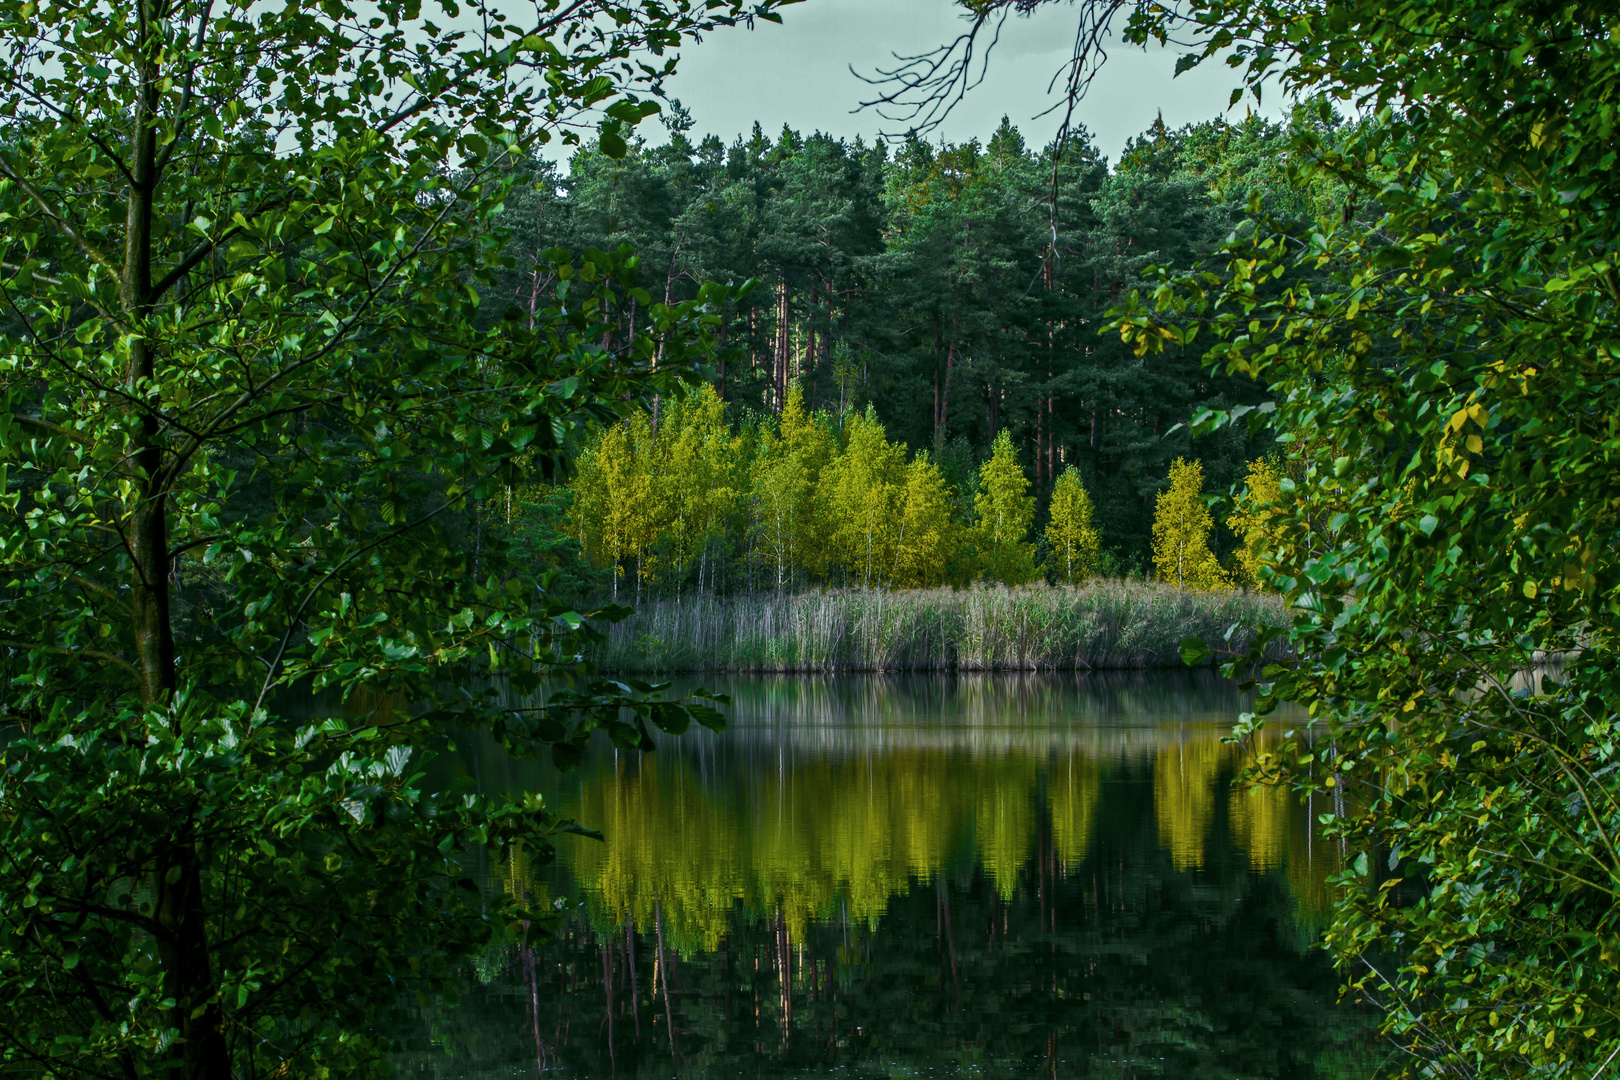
<point>937,381</point>
<point>784,342</point>
<point>1051,427</point>
<point>720,335</point>
<point>658,356</point>
<point>1093,442</point>
<point>534,275</point>
<point>753,337</point>
<point>179,878</point>
<point>148,525</point>
<point>808,360</point>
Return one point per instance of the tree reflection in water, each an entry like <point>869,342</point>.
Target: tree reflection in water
<point>986,876</point>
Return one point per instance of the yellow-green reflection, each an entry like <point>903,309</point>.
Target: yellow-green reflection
<point>1073,805</point>
<point>1184,776</point>
<point>812,837</point>
<point>988,877</point>
<point>815,840</point>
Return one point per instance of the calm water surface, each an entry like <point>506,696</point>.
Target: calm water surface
<point>880,876</point>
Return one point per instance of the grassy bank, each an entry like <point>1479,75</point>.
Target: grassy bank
<point>1103,624</point>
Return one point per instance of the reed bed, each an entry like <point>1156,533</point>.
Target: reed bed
<point>1105,624</point>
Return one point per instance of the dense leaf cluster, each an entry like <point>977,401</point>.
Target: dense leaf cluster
<point>1450,390</point>
<point>252,395</point>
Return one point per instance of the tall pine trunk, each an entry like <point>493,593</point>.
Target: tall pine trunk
<point>784,344</point>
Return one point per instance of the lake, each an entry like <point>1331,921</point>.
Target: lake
<point>896,876</point>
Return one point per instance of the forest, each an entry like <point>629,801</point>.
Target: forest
<point>339,424</point>
<point>919,388</point>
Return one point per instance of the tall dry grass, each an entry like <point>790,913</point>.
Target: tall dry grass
<point>1102,624</point>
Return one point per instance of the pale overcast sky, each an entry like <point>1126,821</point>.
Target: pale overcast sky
<point>797,73</point>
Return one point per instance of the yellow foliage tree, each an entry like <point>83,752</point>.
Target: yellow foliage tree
<point>787,530</point>
<point>1070,536</point>
<point>695,464</point>
<point>1181,525</point>
<point>859,497</point>
<point>1004,510</point>
<point>811,441</point>
<point>615,514</point>
<point>927,537</point>
<point>1252,521</point>
<point>781,507</point>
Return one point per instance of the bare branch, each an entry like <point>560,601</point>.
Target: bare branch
<point>929,85</point>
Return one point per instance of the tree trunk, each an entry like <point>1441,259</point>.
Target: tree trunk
<point>784,343</point>
<point>658,356</point>
<point>808,360</point>
<point>937,382</point>
<point>184,953</point>
<point>183,948</point>
<point>1040,447</point>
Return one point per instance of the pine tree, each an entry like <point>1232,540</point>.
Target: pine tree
<point>1070,536</point>
<point>1181,525</point>
<point>1004,510</point>
<point>1252,520</point>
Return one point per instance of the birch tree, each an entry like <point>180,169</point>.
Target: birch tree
<point>1256,520</point>
<point>1070,536</point>
<point>858,499</point>
<point>1181,527</point>
<point>1004,511</point>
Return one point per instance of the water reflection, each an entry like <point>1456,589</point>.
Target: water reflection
<point>885,877</point>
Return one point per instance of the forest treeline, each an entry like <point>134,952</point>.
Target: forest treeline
<point>688,499</point>
<point>952,295</point>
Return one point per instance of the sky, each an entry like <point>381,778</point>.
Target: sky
<point>798,73</point>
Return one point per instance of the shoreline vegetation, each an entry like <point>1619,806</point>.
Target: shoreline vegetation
<point>1103,624</point>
